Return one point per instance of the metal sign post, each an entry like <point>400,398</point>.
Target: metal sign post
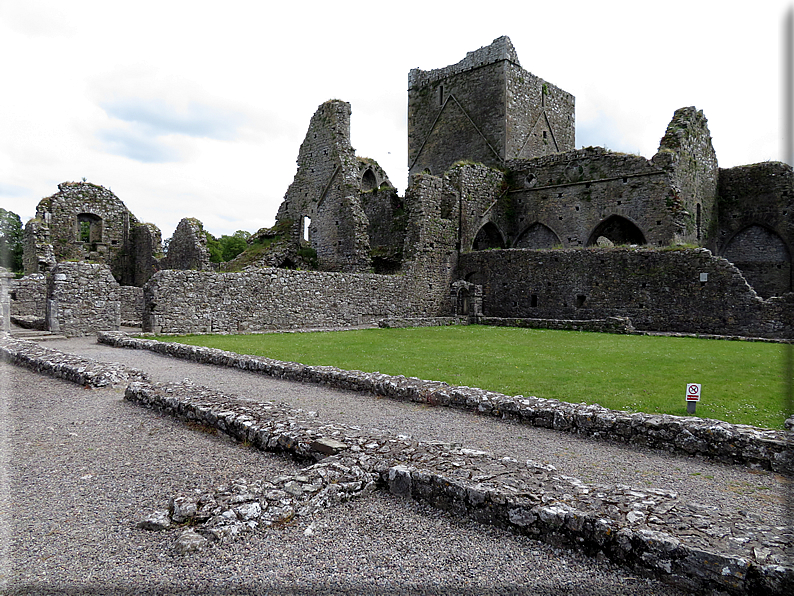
<point>692,397</point>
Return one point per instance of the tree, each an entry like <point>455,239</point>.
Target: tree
<point>10,241</point>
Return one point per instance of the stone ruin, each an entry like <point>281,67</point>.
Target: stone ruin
<point>503,221</point>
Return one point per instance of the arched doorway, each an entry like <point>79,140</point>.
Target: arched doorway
<point>538,236</point>
<point>763,258</point>
<point>368,181</point>
<point>618,230</point>
<point>489,236</point>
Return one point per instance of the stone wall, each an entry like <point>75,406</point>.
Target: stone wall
<point>83,221</point>
<point>430,241</point>
<point>324,194</point>
<point>29,296</point>
<point>131,305</point>
<point>5,300</point>
<point>147,248</point>
<point>687,154</point>
<point>202,302</point>
<point>676,290</point>
<point>756,224</point>
<point>83,298</point>
<point>571,199</point>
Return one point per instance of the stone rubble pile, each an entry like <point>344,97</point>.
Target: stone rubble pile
<point>722,441</point>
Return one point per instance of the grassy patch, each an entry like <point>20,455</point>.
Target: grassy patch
<point>742,381</point>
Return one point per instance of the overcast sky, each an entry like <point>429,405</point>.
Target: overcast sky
<point>197,109</point>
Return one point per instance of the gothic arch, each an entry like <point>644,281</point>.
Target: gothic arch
<point>537,235</point>
<point>763,258</point>
<point>619,230</point>
<point>368,180</point>
<point>489,236</point>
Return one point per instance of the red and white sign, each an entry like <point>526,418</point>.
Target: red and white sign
<point>693,392</point>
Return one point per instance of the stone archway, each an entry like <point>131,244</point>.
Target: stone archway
<point>368,181</point>
<point>763,258</point>
<point>538,236</point>
<point>489,236</point>
<point>618,230</point>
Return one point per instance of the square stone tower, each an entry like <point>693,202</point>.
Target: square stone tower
<point>485,109</point>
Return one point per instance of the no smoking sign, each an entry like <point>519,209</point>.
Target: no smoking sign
<point>693,392</point>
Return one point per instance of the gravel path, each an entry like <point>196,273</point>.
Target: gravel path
<point>81,467</point>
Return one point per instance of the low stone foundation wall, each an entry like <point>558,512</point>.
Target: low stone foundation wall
<point>405,322</point>
<point>715,439</point>
<point>610,325</point>
<point>68,367</point>
<point>523,497</point>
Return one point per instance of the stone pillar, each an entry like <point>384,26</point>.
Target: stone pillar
<point>5,300</point>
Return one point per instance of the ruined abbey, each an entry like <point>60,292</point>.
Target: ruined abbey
<point>504,221</point>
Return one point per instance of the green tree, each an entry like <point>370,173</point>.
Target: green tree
<point>214,248</point>
<point>10,241</point>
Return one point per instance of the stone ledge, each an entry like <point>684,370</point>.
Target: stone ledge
<point>722,441</point>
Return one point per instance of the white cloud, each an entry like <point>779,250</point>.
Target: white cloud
<point>190,112</point>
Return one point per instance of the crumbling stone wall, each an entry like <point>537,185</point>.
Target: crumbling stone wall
<point>756,224</point>
<point>84,221</point>
<point>678,290</point>
<point>687,154</point>
<point>87,222</point>
<point>572,199</point>
<point>37,252</point>
<point>430,254</point>
<point>83,298</point>
<point>487,109</point>
<point>188,247</point>
<point>147,248</point>
<point>325,193</point>
<point>386,217</point>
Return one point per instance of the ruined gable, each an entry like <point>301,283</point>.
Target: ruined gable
<point>188,247</point>
<point>322,204</point>
<point>687,154</point>
<point>81,222</point>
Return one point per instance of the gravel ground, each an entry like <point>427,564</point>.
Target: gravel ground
<point>81,467</point>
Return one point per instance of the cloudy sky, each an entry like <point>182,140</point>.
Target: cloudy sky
<point>198,109</point>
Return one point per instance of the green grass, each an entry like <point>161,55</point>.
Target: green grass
<point>742,381</point>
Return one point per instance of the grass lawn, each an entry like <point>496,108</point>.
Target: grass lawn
<point>742,382</point>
